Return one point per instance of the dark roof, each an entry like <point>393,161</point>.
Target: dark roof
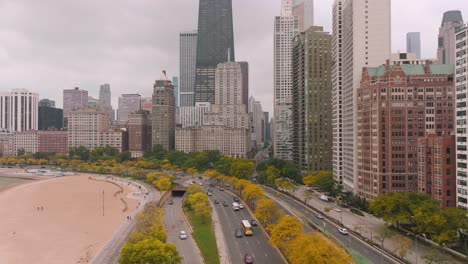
<point>452,16</point>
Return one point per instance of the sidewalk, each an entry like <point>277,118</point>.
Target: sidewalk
<point>220,239</point>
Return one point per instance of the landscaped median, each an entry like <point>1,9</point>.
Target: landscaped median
<point>198,211</point>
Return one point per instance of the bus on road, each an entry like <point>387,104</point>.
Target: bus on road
<point>246,227</point>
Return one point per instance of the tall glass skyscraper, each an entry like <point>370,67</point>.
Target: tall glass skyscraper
<point>215,44</point>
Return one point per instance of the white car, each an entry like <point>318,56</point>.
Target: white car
<point>200,183</point>
<point>343,231</point>
<point>336,209</point>
<point>183,235</point>
<point>241,206</point>
<point>319,216</point>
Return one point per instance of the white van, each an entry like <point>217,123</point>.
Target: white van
<point>235,206</point>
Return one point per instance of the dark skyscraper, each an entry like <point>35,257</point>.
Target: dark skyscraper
<point>215,44</point>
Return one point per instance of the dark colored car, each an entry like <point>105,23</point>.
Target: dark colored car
<point>248,258</point>
<point>171,202</point>
<point>253,222</point>
<point>236,199</point>
<point>225,204</point>
<point>216,202</point>
<point>238,233</point>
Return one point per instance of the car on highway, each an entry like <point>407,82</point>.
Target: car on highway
<point>225,204</point>
<point>238,233</point>
<point>248,258</point>
<point>241,206</point>
<point>209,193</point>
<point>171,202</point>
<point>216,201</point>
<point>336,209</point>
<point>182,235</point>
<point>253,222</point>
<point>200,183</point>
<point>343,231</point>
<point>221,189</point>
<point>236,199</point>
<point>319,216</point>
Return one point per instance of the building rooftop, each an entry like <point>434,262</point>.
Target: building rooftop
<point>452,16</point>
<point>416,69</point>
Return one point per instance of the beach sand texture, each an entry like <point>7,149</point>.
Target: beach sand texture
<point>71,227</point>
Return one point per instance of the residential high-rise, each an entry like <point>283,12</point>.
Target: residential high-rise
<point>267,126</point>
<point>163,115</point>
<point>397,105</point>
<point>73,99</point>
<point>105,102</point>
<point>446,42</point>
<point>188,59</point>
<point>49,116</point>
<point>257,123</point>
<point>311,110</point>
<point>413,43</point>
<point>304,10</point>
<point>215,44</point>
<point>362,41</point>
<point>193,116</point>
<point>18,110</point>
<point>128,103</point>
<point>175,83</point>
<point>226,126</point>
<point>84,126</point>
<point>139,133</point>
<point>285,29</point>
<point>461,83</point>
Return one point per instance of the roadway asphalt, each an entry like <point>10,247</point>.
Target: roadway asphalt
<point>350,241</point>
<point>175,222</point>
<point>257,244</point>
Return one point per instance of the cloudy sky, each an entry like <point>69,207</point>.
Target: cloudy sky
<point>50,45</point>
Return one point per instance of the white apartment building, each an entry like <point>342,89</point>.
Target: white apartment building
<point>461,82</point>
<point>226,126</point>
<point>113,138</point>
<point>128,103</point>
<point>19,110</point>
<point>233,142</point>
<point>286,27</point>
<point>192,116</point>
<point>365,39</point>
<point>84,126</point>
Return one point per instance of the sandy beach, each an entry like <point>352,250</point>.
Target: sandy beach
<point>70,228</point>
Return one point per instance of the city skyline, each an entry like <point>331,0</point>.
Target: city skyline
<point>138,55</point>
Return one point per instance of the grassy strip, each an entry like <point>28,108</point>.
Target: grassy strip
<point>205,238</point>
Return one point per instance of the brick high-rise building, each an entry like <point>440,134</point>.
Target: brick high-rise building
<point>139,133</point>
<point>397,105</point>
<point>18,110</point>
<point>163,115</point>
<point>312,127</point>
<point>53,141</point>
<point>437,168</point>
<point>361,38</point>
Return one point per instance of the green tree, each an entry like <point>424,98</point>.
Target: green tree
<point>81,153</point>
<point>272,173</point>
<point>242,168</point>
<point>149,250</point>
<point>223,165</point>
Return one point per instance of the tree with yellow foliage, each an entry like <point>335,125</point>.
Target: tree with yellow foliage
<point>163,183</point>
<point>252,193</point>
<point>192,170</point>
<point>267,212</point>
<point>401,245</point>
<point>314,248</point>
<point>283,233</point>
<point>272,173</point>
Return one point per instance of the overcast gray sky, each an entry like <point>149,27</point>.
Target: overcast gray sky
<point>50,45</point>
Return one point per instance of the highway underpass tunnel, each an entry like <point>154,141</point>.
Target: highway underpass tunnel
<point>179,191</point>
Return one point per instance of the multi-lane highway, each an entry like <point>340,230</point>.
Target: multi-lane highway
<point>230,220</point>
<point>175,222</point>
<point>373,255</point>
